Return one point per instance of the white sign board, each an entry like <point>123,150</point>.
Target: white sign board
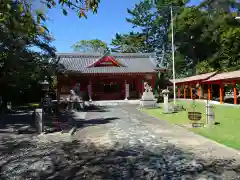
<point>127,90</point>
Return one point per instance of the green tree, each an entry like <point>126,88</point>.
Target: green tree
<point>154,21</point>
<point>21,66</point>
<point>206,38</point>
<point>128,43</point>
<point>25,47</point>
<point>94,45</point>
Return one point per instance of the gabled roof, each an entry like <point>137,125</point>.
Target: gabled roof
<point>128,62</point>
<point>200,77</point>
<point>234,75</point>
<point>106,60</point>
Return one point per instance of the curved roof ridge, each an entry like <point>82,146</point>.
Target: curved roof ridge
<point>79,54</point>
<point>74,54</point>
<point>133,54</point>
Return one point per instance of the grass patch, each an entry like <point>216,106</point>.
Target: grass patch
<point>33,105</point>
<point>227,132</point>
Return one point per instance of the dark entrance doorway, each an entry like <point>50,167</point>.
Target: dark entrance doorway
<point>108,90</point>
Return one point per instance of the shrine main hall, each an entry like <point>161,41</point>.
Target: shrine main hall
<point>112,76</point>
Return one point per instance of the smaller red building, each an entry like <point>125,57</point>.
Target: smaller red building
<point>112,76</point>
<point>208,80</point>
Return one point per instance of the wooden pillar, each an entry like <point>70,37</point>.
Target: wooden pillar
<point>235,92</point>
<point>221,93</point>
<point>209,92</point>
<point>142,86</point>
<point>184,92</point>
<point>124,90</point>
<point>153,81</point>
<point>191,94</point>
<point>73,82</point>
<point>179,91</point>
<point>199,91</point>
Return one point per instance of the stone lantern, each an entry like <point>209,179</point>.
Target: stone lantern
<point>45,85</point>
<point>165,93</point>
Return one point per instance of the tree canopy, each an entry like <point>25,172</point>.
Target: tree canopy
<point>26,55</point>
<point>206,36</point>
<point>94,45</point>
<point>129,43</point>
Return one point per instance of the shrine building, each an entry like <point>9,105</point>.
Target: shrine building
<point>113,76</point>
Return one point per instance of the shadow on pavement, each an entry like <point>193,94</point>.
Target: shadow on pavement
<point>93,122</point>
<point>16,121</point>
<point>76,160</point>
<point>73,120</point>
<point>93,108</point>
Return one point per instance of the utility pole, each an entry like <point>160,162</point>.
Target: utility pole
<point>173,60</point>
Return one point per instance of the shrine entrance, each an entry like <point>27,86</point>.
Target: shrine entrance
<point>111,89</point>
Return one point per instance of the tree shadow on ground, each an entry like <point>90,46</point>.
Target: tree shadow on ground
<point>16,121</point>
<point>77,122</point>
<point>94,122</point>
<point>77,160</point>
<point>93,108</point>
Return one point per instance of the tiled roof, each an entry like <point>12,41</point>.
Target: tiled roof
<point>225,76</point>
<point>133,62</point>
<point>200,77</point>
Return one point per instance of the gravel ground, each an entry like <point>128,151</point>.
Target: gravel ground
<point>117,142</point>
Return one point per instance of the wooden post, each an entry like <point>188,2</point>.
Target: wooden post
<point>191,94</point>
<point>209,92</point>
<point>153,82</point>
<point>199,91</point>
<point>221,93</point>
<point>179,92</point>
<point>184,92</point>
<point>142,86</point>
<point>235,92</point>
<point>124,90</point>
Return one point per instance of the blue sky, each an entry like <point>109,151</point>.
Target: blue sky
<point>109,20</point>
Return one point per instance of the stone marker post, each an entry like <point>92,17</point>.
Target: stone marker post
<point>210,114</point>
<point>165,93</point>
<point>38,117</point>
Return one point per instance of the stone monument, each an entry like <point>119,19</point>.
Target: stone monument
<point>38,118</point>
<point>148,100</point>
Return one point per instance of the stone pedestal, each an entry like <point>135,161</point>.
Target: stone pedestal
<point>148,100</point>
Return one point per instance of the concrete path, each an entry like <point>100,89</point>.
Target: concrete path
<point>119,142</point>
